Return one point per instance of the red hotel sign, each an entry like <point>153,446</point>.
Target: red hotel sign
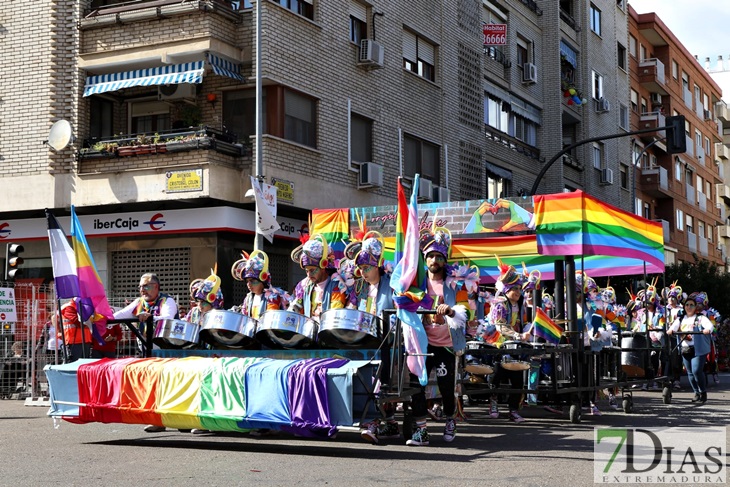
<point>495,34</point>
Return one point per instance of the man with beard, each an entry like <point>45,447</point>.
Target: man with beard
<point>445,331</point>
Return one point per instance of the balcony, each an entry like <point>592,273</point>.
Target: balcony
<point>723,231</point>
<point>690,193</point>
<point>721,111</point>
<point>703,247</point>
<point>655,182</point>
<point>511,142</point>
<point>687,97</point>
<point>665,230</point>
<point>723,193</point>
<point>569,20</point>
<point>692,242</point>
<point>651,76</point>
<point>572,161</point>
<point>702,201</point>
<point>722,151</point>
<point>651,120</point>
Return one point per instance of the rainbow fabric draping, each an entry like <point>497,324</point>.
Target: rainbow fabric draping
<point>334,225</point>
<point>93,303</point>
<point>579,224</point>
<point>217,394</point>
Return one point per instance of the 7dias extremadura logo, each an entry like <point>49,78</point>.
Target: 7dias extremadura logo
<point>660,455</point>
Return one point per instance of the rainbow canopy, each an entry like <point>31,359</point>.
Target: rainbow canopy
<point>579,224</point>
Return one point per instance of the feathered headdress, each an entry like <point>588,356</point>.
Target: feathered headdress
<point>255,265</point>
<point>508,277</point>
<point>531,280</point>
<point>436,239</point>
<point>208,290</point>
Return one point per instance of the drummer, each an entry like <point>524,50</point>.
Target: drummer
<point>673,298</point>
<point>262,296</point>
<point>508,316</point>
<point>323,288</point>
<point>653,319</point>
<point>445,331</point>
<point>373,295</point>
<point>207,295</point>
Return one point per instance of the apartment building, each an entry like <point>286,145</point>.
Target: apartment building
<point>161,98</point>
<point>679,189</point>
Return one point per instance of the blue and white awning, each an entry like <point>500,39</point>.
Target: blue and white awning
<point>223,67</point>
<point>162,75</point>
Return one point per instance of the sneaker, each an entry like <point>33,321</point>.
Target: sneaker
<point>419,438</point>
<point>554,410</point>
<point>635,386</point>
<point>199,431</point>
<point>676,385</point>
<point>493,408</point>
<point>696,398</point>
<point>151,428</point>
<point>612,403</point>
<point>388,431</point>
<point>436,413</point>
<point>370,434</point>
<point>703,397</point>
<point>449,430</point>
<point>515,417</point>
<point>595,411</point>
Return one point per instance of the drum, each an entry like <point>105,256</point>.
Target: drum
<point>509,362</point>
<point>633,354</point>
<point>349,328</point>
<point>286,329</point>
<point>229,329</point>
<point>176,334</point>
<point>479,363</point>
<point>564,365</point>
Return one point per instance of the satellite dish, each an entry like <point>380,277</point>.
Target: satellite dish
<point>61,135</point>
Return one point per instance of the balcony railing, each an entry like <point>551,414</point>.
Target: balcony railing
<point>512,143</point>
<point>692,242</point>
<point>703,247</point>
<point>126,12</point>
<point>651,75</point>
<point>721,111</point>
<point>568,19</point>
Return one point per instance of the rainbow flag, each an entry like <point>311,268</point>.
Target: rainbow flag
<point>579,224</point>
<point>333,225</point>
<point>409,282</point>
<point>546,328</point>
<point>92,303</point>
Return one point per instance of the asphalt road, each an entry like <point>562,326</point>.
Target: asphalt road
<point>546,450</point>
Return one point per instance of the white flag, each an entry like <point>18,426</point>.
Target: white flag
<point>265,195</point>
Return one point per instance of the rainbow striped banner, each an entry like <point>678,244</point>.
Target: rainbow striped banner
<point>579,224</point>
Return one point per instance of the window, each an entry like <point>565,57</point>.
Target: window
<point>287,114</point>
<point>708,189</point>
<point>421,157</point>
<point>621,52</point>
<point>675,69</point>
<point>623,116</point>
<point>634,101</point>
<point>679,222</point>
<point>700,185</point>
<point>647,211</point>
<point>643,106</point>
<point>621,4</point>
<point>419,56</point>
<point>511,118</point>
<point>597,86</point>
<point>624,175</point>
<point>698,139</point>
<point>149,117</point>
<point>677,170</point>
<point>690,224</point>
<point>685,81</point>
<point>701,228</point>
<point>358,22</point>
<point>642,52</point>
<point>707,146</point>
<point>638,203</point>
<point>497,185</point>
<point>632,45</point>
<point>595,19</point>
<point>597,155</point>
<point>302,7</point>
<point>361,138</point>
<point>523,51</point>
<point>101,118</point>
<point>568,62</point>
<point>710,231</point>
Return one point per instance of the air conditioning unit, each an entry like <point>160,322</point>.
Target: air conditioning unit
<point>370,175</point>
<point>371,53</point>
<point>425,190</point>
<point>656,99</point>
<point>602,105</point>
<point>441,195</point>
<point>708,115</point>
<point>606,176</point>
<point>176,92</point>
<point>529,73</point>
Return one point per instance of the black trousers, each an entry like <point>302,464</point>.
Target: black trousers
<point>445,362</point>
<point>516,379</point>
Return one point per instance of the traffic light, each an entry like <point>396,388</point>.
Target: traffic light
<point>676,140</point>
<point>13,261</point>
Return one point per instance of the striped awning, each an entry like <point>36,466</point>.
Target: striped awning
<point>223,67</point>
<point>162,75</point>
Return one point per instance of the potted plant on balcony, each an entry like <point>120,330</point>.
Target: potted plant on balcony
<point>100,149</point>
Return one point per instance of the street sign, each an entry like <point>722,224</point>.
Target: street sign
<point>7,305</point>
<point>495,34</point>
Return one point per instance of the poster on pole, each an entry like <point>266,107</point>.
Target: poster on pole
<point>265,196</point>
<point>7,305</point>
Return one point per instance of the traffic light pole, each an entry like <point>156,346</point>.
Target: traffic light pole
<point>547,166</point>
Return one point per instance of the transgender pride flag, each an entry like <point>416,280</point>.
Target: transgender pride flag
<point>92,296</point>
<point>62,259</point>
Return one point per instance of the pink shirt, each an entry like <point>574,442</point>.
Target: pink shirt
<point>438,335</point>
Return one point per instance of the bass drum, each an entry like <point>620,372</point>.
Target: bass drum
<point>349,328</point>
<point>634,354</point>
<point>228,329</point>
<point>176,334</point>
<point>286,329</point>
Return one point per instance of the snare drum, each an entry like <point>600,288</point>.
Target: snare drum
<point>176,334</point>
<point>479,363</point>
<point>228,329</point>
<point>286,329</point>
<point>349,328</point>
<point>509,362</point>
